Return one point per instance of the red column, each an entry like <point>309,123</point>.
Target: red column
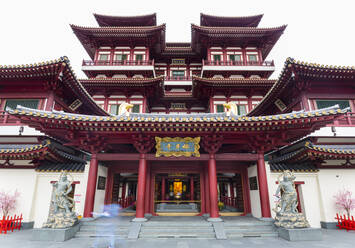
<point>192,188</point>
<point>147,190</point>
<point>207,194</point>
<point>91,187</point>
<point>263,189</point>
<point>109,186</point>
<point>304,102</point>
<point>123,196</point>
<point>50,101</point>
<point>142,171</point>
<point>212,174</point>
<point>163,188</point>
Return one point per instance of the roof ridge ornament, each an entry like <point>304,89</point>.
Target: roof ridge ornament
<point>231,108</point>
<point>124,109</point>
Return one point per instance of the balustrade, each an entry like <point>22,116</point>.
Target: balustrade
<point>117,62</point>
<point>238,63</point>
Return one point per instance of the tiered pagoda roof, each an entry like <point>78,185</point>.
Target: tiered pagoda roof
<point>55,73</point>
<point>126,21</point>
<point>93,37</point>
<point>229,84</point>
<point>228,21</point>
<point>49,153</point>
<point>305,152</point>
<point>264,38</point>
<point>66,126</point>
<point>294,74</point>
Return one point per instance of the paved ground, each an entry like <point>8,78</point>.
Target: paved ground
<point>331,239</point>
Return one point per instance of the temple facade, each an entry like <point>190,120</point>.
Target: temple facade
<point>177,129</point>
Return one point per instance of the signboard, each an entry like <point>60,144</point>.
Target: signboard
<point>253,183</point>
<point>101,183</point>
<point>177,146</point>
<point>76,104</point>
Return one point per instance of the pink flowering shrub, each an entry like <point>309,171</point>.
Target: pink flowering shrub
<point>344,201</point>
<point>8,202</point>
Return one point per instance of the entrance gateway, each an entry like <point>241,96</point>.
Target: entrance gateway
<point>176,193</point>
<point>179,188</point>
<point>228,143</point>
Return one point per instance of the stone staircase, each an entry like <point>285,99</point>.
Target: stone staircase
<point>103,228</point>
<point>182,227</point>
<point>246,227</point>
<point>177,227</point>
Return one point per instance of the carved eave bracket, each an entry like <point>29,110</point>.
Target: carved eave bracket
<point>143,143</point>
<point>212,143</point>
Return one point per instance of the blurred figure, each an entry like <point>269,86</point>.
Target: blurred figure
<point>109,211</point>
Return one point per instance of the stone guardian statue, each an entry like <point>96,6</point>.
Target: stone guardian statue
<point>287,215</point>
<point>61,213</point>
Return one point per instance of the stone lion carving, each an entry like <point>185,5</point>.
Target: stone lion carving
<point>124,109</point>
<point>61,213</point>
<point>231,108</point>
<point>287,215</point>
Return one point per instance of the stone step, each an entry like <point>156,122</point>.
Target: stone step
<point>177,230</point>
<point>246,228</point>
<point>246,224</point>
<point>251,235</point>
<point>178,235</point>
<point>176,224</point>
<point>93,228</point>
<point>93,236</point>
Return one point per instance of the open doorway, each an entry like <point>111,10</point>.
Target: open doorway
<point>177,194</point>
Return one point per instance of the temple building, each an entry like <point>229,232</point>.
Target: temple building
<point>177,129</point>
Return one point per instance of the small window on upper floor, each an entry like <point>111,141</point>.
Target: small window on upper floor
<point>139,57</point>
<point>242,109</point>
<point>136,108</point>
<point>176,74</point>
<point>329,103</point>
<point>114,109</point>
<point>235,57</point>
<point>219,108</point>
<point>252,58</point>
<point>120,57</point>
<point>104,57</point>
<point>28,103</point>
<point>216,57</point>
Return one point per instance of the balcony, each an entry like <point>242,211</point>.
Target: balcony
<point>238,65</point>
<point>178,81</point>
<point>121,65</point>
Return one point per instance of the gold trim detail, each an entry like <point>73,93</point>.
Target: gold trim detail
<point>175,153</point>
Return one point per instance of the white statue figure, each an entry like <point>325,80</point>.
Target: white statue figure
<point>61,213</point>
<point>287,215</point>
<point>61,200</point>
<point>231,108</point>
<point>289,202</point>
<point>124,108</point>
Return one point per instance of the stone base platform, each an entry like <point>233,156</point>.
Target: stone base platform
<point>182,208</point>
<point>300,234</point>
<point>50,234</point>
